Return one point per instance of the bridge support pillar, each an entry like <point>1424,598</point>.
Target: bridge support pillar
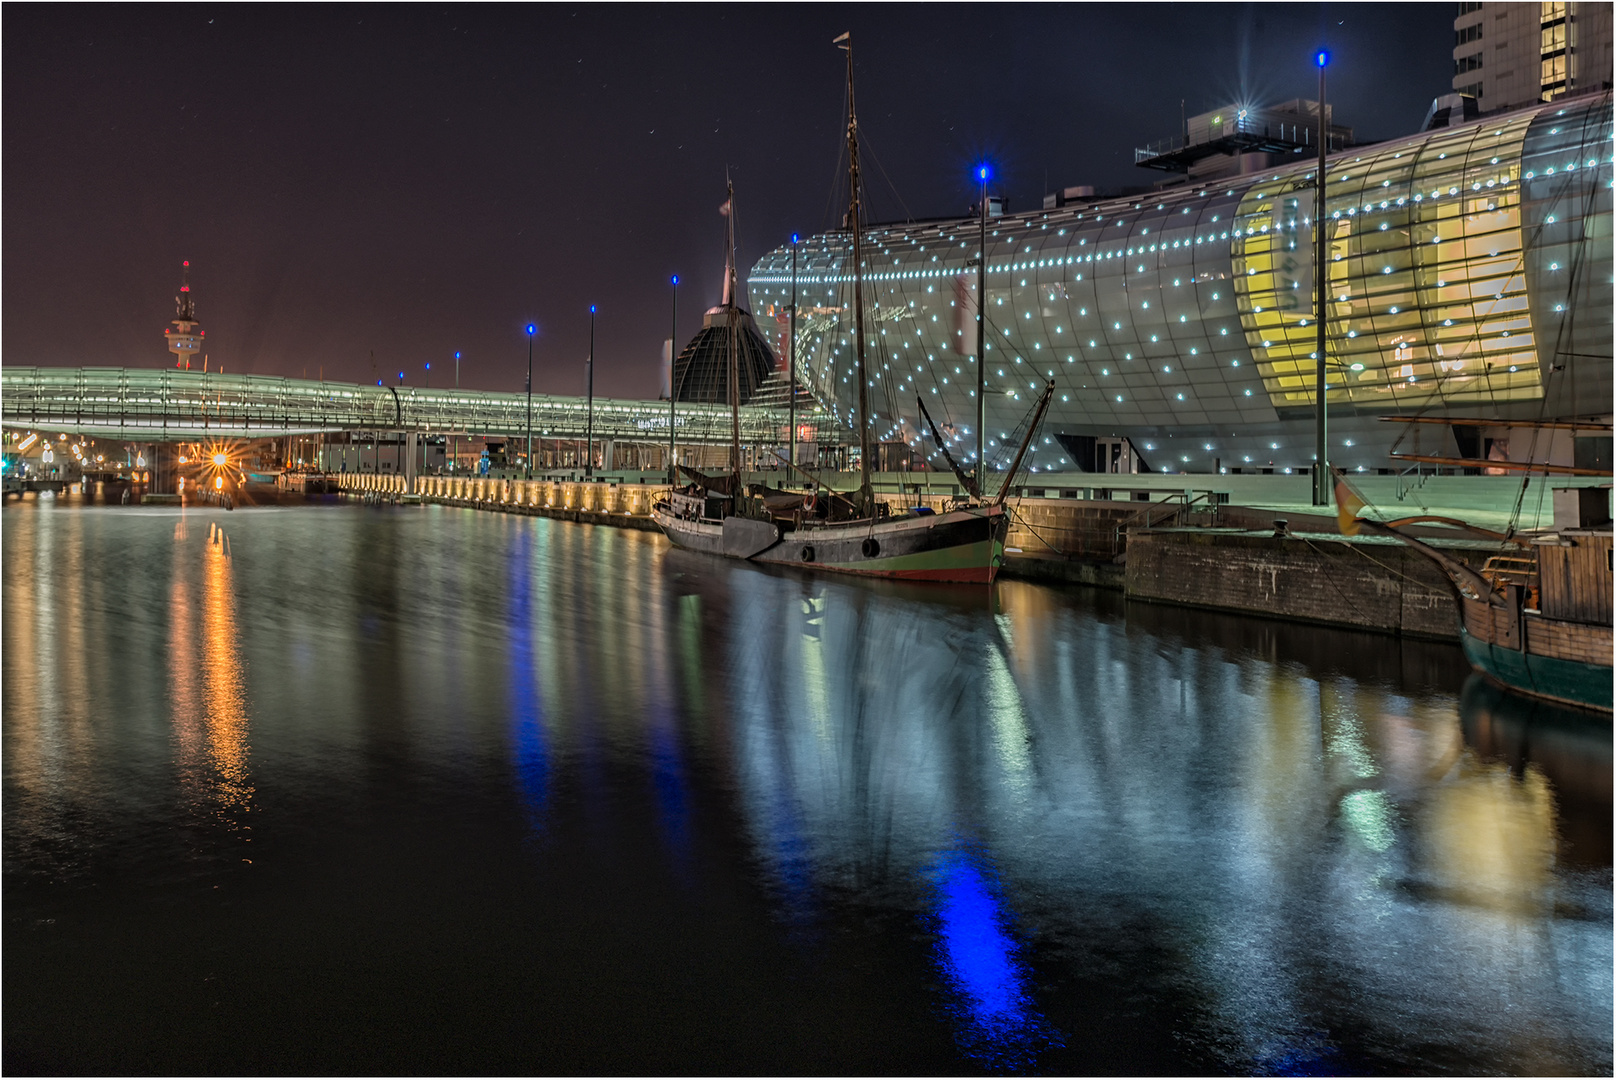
<point>412,447</point>
<point>165,468</point>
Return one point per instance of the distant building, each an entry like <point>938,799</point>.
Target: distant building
<point>185,339</point>
<point>1507,55</point>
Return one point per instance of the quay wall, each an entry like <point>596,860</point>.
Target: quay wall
<point>1073,541</point>
<point>1372,583</point>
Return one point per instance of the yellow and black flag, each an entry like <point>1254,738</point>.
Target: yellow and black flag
<point>1348,503</point>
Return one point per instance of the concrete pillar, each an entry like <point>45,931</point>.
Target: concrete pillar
<point>412,447</point>
<point>165,468</point>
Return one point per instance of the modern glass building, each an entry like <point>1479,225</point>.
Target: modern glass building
<point>1469,277</point>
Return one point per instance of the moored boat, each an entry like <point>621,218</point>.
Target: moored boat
<point>1536,617</point>
<point>849,532</point>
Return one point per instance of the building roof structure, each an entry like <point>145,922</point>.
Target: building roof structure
<point>701,372</point>
<point>1468,276</point>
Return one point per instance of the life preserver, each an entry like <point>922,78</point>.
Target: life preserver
<point>809,500</point>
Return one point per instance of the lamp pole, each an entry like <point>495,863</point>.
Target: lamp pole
<point>791,362</point>
<point>530,329</point>
<point>1321,454</point>
<point>455,448</point>
<point>981,325</point>
<point>673,390</point>
<point>589,429</point>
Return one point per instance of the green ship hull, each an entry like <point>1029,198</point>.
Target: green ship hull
<point>1573,682</point>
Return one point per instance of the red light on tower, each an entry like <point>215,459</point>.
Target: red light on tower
<point>185,338</point>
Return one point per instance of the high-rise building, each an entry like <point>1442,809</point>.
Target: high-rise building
<point>1508,55</point>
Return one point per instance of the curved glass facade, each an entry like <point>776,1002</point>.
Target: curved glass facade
<point>1469,276</point>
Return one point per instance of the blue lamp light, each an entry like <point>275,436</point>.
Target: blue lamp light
<point>1322,57</point>
<point>457,354</point>
<point>591,309</point>
<point>530,329</point>
<point>795,238</point>
<point>982,173</point>
<point>675,281</point>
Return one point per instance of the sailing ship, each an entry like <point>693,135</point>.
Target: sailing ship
<point>848,532</point>
<point>1536,617</point>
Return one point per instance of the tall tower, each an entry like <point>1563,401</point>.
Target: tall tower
<point>185,341</point>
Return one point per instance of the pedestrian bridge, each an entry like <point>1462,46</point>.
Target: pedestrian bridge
<point>157,405</point>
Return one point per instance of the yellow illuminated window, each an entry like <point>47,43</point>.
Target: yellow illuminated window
<point>1425,295</point>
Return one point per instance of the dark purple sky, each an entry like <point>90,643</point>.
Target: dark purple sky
<point>416,180</point>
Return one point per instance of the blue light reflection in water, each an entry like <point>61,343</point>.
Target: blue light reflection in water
<point>980,959</point>
<point>527,715</point>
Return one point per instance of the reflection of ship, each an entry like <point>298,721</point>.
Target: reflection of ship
<point>1537,616</point>
<point>307,481</point>
<point>1575,755</point>
<point>849,532</point>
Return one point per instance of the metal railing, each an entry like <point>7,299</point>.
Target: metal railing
<point>166,403</point>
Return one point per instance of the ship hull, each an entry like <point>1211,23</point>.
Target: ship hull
<point>1554,678</point>
<point>964,546</point>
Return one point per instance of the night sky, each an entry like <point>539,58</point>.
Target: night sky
<point>408,181</point>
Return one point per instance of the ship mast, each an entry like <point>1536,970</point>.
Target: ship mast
<point>731,298</point>
<point>866,498</point>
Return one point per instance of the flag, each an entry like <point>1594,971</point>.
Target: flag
<point>724,209</point>
<point>1347,505</point>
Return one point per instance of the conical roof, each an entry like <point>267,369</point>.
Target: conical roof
<point>701,373</point>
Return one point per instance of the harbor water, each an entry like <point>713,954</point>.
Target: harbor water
<point>350,789</point>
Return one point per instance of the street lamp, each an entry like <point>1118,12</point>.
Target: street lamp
<point>589,429</point>
<point>454,440</point>
<point>673,396</point>
<point>1321,459</point>
<point>530,329</point>
<point>981,323</point>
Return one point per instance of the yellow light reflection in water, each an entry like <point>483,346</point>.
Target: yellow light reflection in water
<point>208,684</point>
<point>1490,837</point>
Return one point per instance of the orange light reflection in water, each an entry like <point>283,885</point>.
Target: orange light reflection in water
<point>208,685</point>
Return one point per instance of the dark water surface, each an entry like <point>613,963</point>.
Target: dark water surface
<point>343,789</point>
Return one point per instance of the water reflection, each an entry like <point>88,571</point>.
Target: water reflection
<point>1023,829</point>
<point>207,683</point>
<point>980,959</point>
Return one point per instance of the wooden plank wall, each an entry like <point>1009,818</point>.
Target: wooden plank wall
<point>1575,578</point>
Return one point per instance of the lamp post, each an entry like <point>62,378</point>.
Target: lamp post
<point>589,428</point>
<point>455,448</point>
<point>1321,458</point>
<point>673,390</point>
<point>530,329</point>
<point>981,324</point>
<point>791,362</point>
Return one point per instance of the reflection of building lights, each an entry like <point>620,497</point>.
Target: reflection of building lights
<point>218,483</point>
